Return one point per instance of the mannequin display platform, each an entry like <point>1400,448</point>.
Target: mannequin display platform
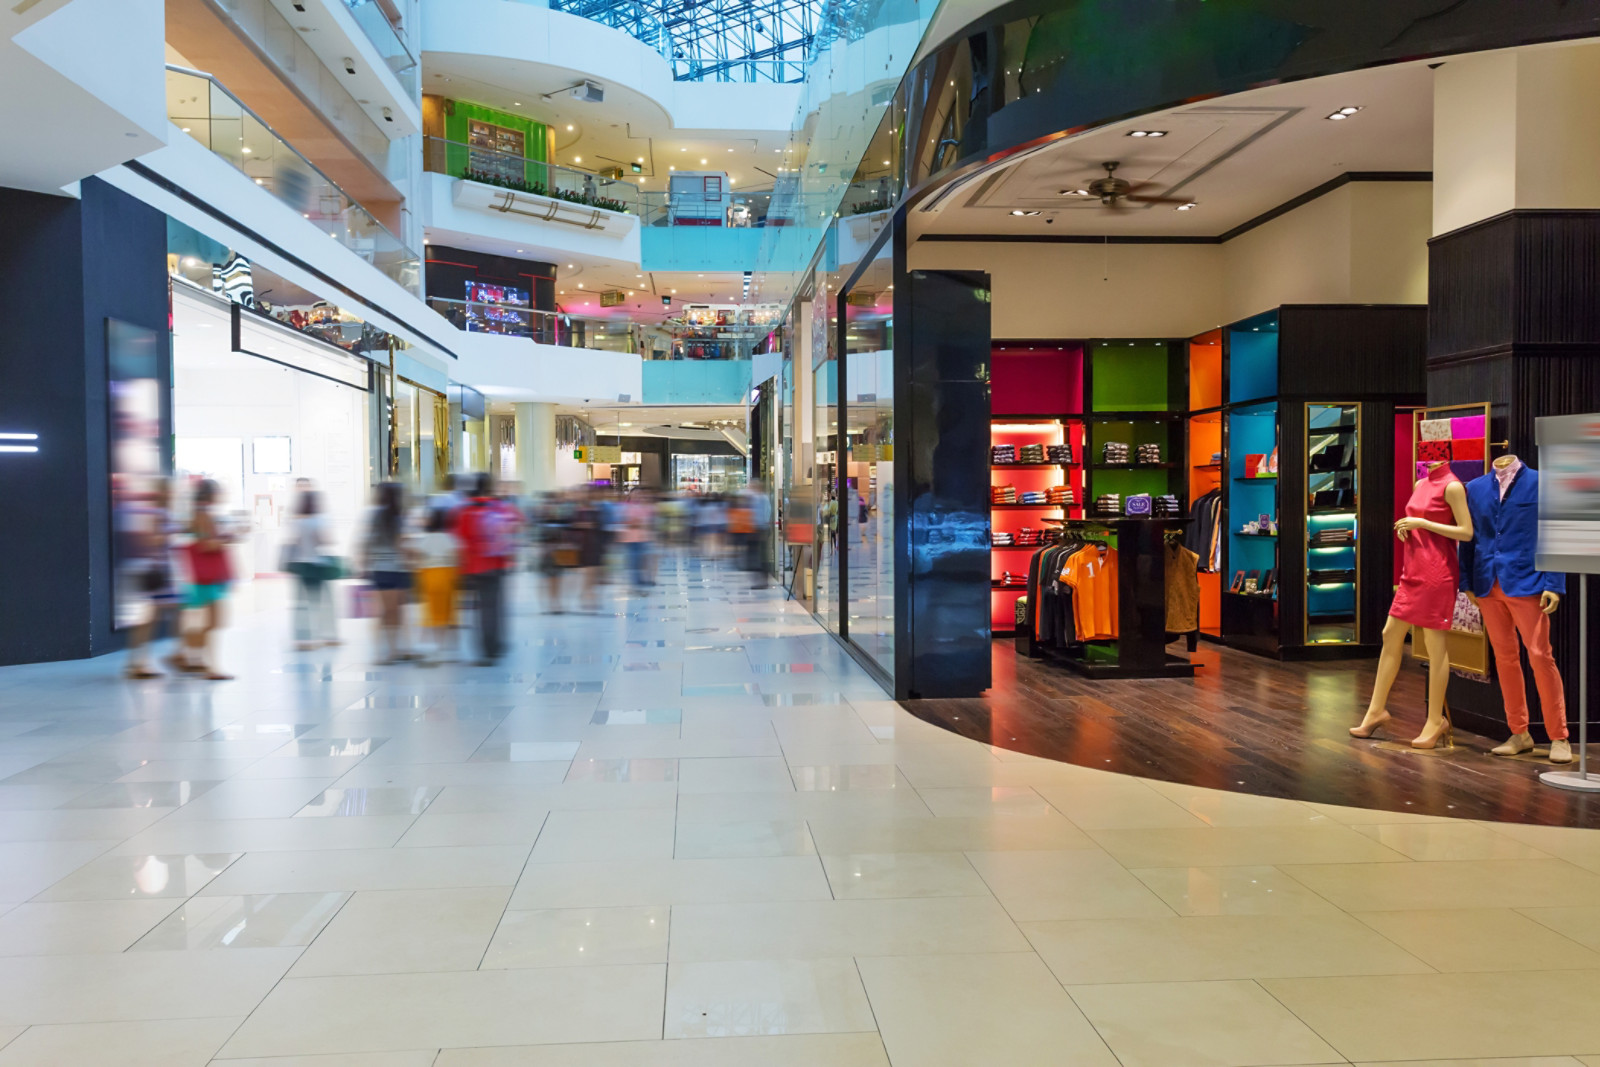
<point>1515,599</point>
<point>1436,515</point>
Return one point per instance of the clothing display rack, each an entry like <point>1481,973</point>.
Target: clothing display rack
<point>1100,599</point>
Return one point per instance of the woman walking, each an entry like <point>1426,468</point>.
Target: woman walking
<point>210,573</point>
<point>386,560</point>
<point>437,569</point>
<point>313,570</point>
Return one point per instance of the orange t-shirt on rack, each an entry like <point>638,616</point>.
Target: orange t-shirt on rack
<point>1092,574</point>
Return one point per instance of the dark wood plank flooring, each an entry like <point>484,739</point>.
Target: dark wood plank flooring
<point>1255,725</point>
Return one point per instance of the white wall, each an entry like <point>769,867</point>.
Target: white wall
<point>515,368</point>
<point>1365,242</point>
<point>1084,290</point>
<point>444,217</point>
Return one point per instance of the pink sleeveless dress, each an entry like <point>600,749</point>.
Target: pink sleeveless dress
<point>1430,569</point>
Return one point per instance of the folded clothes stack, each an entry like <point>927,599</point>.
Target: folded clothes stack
<point>1114,452</point>
<point>1030,454</point>
<point>1000,538</point>
<point>1108,504</point>
<point>1166,507</point>
<point>1034,496</point>
<point>1149,453</point>
<point>1002,494</point>
<point>1058,453</point>
<point>1335,535</point>
<point>1059,494</point>
<point>1002,454</point>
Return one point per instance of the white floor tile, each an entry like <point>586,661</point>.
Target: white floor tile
<point>137,985</point>
<point>118,877</point>
<point>397,1012</point>
<point>954,1011</point>
<point>580,937</point>
<point>748,998</point>
<point>163,1043</point>
<point>408,930</point>
<point>279,920</point>
<point>75,927</point>
<point>625,883</point>
<point>356,869</point>
<point>793,1050</point>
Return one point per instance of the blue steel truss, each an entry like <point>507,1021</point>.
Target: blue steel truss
<point>720,40</point>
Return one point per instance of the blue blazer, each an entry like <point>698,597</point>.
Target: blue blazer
<point>1504,536</point>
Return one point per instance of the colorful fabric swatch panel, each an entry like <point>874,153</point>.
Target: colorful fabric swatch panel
<point>1433,451</point>
<point>1434,429</point>
<point>1467,449</point>
<point>1467,469</point>
<point>1468,427</point>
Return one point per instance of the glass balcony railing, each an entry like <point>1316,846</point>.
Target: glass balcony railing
<point>387,40</point>
<point>543,327</point>
<point>199,106</point>
<point>509,171</point>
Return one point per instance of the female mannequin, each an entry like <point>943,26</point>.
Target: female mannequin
<point>1435,516</point>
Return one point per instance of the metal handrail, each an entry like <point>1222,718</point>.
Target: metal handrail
<point>615,189</point>
<point>357,7</point>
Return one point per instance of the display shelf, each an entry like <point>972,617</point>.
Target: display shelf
<point>1032,507</point>
<point>1033,466</point>
<point>1243,533</point>
<point>1255,478</point>
<point>1134,466</point>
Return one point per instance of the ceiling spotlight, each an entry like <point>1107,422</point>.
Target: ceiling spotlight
<point>1147,133</point>
<point>1187,207</point>
<point>1074,192</point>
<point>1343,113</point>
<point>577,159</point>
<point>1019,211</point>
<point>702,162</point>
<point>516,103</point>
<point>569,127</point>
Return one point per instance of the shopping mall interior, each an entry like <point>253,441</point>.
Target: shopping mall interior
<point>770,532</point>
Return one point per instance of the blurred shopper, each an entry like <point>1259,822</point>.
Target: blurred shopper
<point>551,528</point>
<point>147,537</point>
<point>712,523</point>
<point>635,537</point>
<point>588,533</point>
<point>210,573</point>
<point>760,540</point>
<point>862,514</point>
<point>306,557</point>
<point>386,559</point>
<point>740,527</point>
<point>830,521</point>
<point>438,557</point>
<point>487,529</point>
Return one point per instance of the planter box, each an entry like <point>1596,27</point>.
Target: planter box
<point>544,208</point>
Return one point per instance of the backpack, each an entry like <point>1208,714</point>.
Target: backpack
<point>495,530</point>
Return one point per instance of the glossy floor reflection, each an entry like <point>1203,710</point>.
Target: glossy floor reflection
<point>690,832</point>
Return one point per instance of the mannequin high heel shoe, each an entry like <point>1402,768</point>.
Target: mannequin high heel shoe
<point>1367,729</point>
<point>1445,733</point>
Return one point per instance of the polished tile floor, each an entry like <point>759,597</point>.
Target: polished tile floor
<point>690,832</point>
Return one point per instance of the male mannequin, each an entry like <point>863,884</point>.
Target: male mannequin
<point>1497,572</point>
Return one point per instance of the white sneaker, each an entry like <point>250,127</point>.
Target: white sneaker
<point>1516,745</point>
<point>1561,751</point>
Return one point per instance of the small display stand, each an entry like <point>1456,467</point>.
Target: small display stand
<point>1140,649</point>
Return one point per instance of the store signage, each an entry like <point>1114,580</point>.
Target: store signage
<point>1569,494</point>
<point>605,454</point>
<point>613,298</point>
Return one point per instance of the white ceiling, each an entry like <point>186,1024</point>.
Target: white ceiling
<point>1234,157</point>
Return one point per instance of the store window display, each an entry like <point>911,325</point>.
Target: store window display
<point>1436,515</point>
<point>1516,599</point>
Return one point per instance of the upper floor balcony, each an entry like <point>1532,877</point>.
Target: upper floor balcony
<point>203,108</point>
<point>379,21</point>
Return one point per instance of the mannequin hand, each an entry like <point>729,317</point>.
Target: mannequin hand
<point>1408,523</point>
<point>1549,602</point>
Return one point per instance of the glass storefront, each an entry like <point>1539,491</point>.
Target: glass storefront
<point>868,472</point>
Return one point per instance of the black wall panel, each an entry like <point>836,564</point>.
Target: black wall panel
<point>450,269</point>
<point>942,483</point>
<point>1514,317</point>
<point>75,263</point>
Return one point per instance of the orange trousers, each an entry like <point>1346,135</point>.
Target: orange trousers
<point>1505,617</point>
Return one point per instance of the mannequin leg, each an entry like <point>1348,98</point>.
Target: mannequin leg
<point>1534,626</point>
<point>1394,640</point>
<point>1501,626</point>
<point>1438,725</point>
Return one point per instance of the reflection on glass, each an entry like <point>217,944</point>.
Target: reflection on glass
<point>868,456</point>
<point>405,432</point>
<point>1333,460</point>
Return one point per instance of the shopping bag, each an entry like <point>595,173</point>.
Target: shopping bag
<point>363,601</point>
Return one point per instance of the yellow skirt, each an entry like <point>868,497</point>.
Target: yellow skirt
<point>438,588</point>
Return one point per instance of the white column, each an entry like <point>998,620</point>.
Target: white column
<point>536,447</point>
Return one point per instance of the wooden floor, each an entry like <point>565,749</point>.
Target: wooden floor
<point>1255,725</point>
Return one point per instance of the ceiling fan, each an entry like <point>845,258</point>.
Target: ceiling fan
<point>1113,191</point>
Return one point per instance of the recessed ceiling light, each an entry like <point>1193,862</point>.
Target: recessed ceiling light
<point>185,129</point>
<point>570,266</point>
<point>1343,113</point>
<point>1187,207</point>
<point>1019,211</point>
<point>519,251</point>
<point>702,162</point>
<point>569,127</point>
<point>1147,133</point>
<point>641,159</point>
<point>577,159</point>
<point>675,168</point>
<point>1074,192</point>
<point>516,103</point>
<point>580,285</point>
<point>886,163</point>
